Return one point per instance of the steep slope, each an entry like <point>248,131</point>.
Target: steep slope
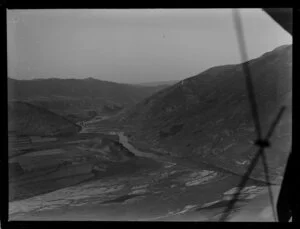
<point>78,98</point>
<point>208,115</point>
<point>27,119</point>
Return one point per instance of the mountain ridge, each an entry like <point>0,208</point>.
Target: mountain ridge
<point>208,114</point>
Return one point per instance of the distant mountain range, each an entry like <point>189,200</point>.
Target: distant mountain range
<point>159,83</point>
<point>78,99</point>
<point>208,115</point>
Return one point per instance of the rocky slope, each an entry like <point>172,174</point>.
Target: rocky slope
<point>208,115</point>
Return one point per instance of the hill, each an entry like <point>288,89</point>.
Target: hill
<point>207,116</point>
<point>28,119</point>
<point>78,99</point>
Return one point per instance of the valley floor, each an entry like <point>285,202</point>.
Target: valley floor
<point>170,189</point>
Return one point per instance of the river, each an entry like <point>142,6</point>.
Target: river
<point>172,192</point>
<point>123,139</point>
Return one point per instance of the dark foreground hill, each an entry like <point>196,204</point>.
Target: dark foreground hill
<point>79,99</point>
<point>208,115</point>
<point>28,119</point>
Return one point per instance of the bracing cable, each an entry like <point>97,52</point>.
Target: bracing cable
<point>249,85</point>
<point>262,143</point>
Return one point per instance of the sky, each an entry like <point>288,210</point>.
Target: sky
<point>132,45</point>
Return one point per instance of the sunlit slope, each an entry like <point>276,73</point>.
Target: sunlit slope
<point>208,115</point>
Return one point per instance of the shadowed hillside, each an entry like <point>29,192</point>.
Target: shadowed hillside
<point>27,119</point>
<point>208,115</point>
<point>79,99</point>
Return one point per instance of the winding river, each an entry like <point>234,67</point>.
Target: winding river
<point>124,141</point>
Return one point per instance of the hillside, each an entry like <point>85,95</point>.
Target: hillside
<point>78,99</point>
<point>27,119</point>
<point>207,116</point>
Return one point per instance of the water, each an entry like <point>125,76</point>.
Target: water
<point>124,141</point>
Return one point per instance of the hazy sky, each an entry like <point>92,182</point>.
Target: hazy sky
<point>132,46</point>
